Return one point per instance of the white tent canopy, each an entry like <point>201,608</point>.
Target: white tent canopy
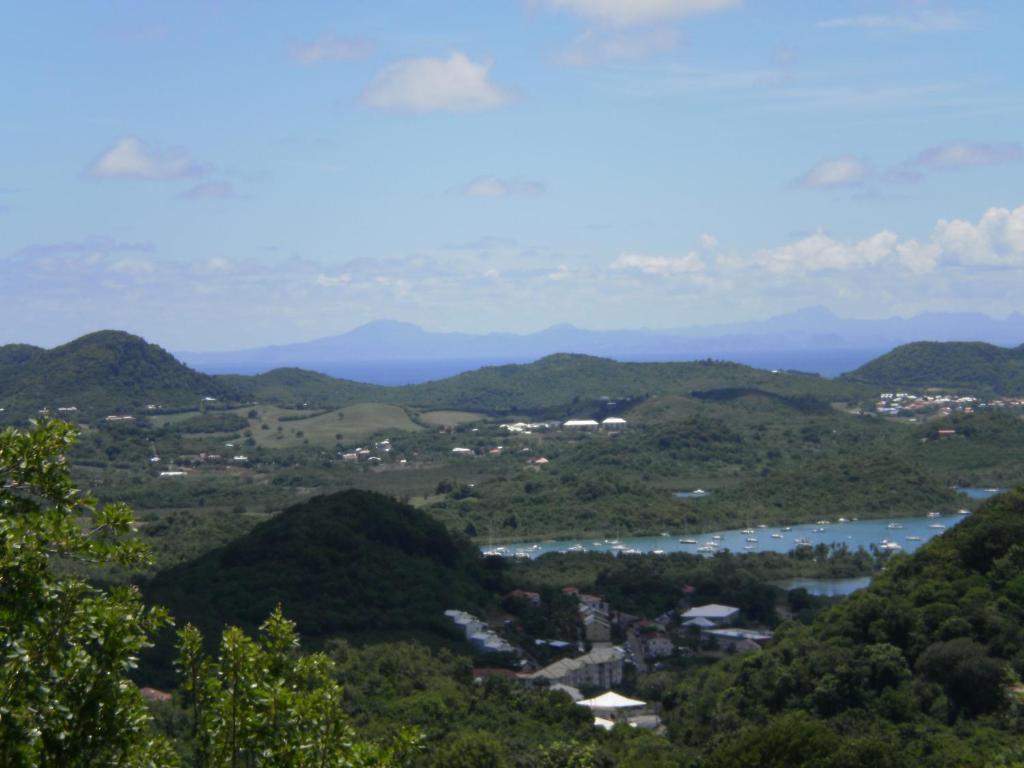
<point>611,700</point>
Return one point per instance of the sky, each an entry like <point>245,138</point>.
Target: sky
<point>222,175</point>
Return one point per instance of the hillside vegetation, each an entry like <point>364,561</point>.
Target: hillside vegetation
<point>971,366</point>
<point>101,373</point>
<point>921,668</point>
<point>349,562</point>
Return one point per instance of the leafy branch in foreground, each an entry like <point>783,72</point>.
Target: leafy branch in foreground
<point>66,648</point>
<point>262,704</point>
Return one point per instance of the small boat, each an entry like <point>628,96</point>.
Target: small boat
<point>618,547</point>
<point>687,541</point>
<point>889,546</point>
<point>787,529</point>
<point>663,533</point>
<point>657,551</point>
<point>762,525</point>
<point>913,538</point>
<point>747,530</point>
<point>963,512</point>
<point>523,555</point>
<point>894,525</point>
<point>748,546</point>
<point>777,536</point>
<point>576,548</point>
<point>824,522</point>
<point>843,520</point>
<point>717,537</point>
<point>632,552</point>
<point>751,539</point>
<point>938,526</point>
<point>932,514</point>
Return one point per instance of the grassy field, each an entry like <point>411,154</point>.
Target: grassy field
<point>287,428</point>
<point>449,418</point>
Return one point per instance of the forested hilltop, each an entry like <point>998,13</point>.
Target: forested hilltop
<point>973,366</point>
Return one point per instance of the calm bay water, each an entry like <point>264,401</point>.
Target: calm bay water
<point>908,533</point>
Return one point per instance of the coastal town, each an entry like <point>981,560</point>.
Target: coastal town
<point>608,650</point>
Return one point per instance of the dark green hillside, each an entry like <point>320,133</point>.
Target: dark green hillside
<point>293,386</point>
<point>972,366</point>
<point>574,384</point>
<point>102,373</point>
<point>351,562</point>
<point>922,668</point>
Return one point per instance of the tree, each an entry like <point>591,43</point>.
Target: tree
<point>262,704</point>
<point>66,647</point>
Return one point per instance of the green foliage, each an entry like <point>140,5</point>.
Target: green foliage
<point>350,562</point>
<point>102,373</point>
<point>971,366</point>
<point>262,704</point>
<point>932,648</point>
<point>66,648</point>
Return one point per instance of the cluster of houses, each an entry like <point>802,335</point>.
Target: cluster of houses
<point>478,634</point>
<point>525,428</point>
<point>366,454</point>
<point>909,404</point>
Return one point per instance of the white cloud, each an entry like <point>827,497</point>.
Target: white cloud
<point>422,85</point>
<point>708,242</point>
<point>329,47</point>
<point>626,12</point>
<point>996,240</point>
<point>129,159</point>
<point>922,21</point>
<point>596,46</point>
<point>662,266</point>
<point>820,252</point>
<point>967,154</point>
<point>846,171</point>
<point>491,187</point>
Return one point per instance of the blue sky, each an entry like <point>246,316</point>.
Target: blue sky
<point>217,175</point>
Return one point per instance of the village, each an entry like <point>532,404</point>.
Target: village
<point>906,404</point>
<point>611,651</point>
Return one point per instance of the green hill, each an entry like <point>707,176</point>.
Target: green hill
<point>353,562</point>
<point>111,371</point>
<point>559,383</point>
<point>970,366</point>
<point>101,373</point>
<point>292,386</point>
<point>921,668</point>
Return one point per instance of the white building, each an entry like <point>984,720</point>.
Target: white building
<point>581,424</point>
<point>614,422</point>
<point>713,612</point>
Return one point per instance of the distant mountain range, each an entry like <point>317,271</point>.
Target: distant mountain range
<point>812,339</point>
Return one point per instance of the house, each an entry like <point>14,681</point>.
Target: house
<point>596,627</point>
<point>738,640</point>
<point>350,457</point>
<point>947,433</point>
<point>601,668</point>
<point>462,451</point>
<point>657,646</point>
<point>581,424</point>
<point>713,612</point>
<point>699,623</point>
<point>614,422</point>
